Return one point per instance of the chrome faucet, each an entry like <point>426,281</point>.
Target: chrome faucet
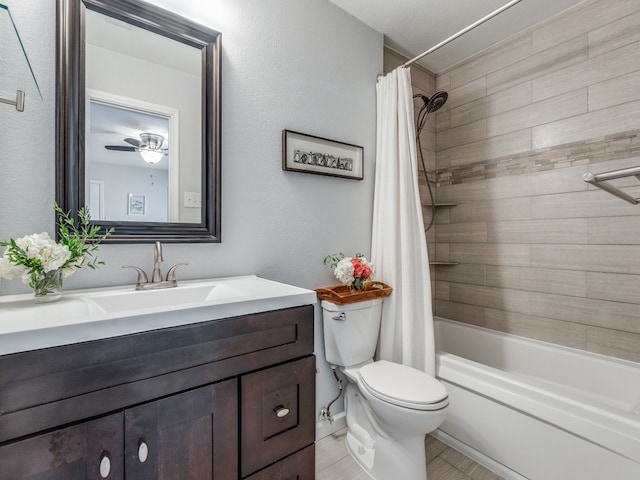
<point>143,282</point>
<point>156,276</point>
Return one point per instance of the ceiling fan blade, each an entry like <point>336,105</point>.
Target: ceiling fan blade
<point>120,148</point>
<point>133,141</point>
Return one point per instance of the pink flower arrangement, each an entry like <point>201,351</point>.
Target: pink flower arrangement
<point>351,271</point>
<point>361,268</point>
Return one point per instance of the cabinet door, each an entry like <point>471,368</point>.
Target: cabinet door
<point>299,466</point>
<point>192,435</point>
<point>277,411</point>
<point>90,450</point>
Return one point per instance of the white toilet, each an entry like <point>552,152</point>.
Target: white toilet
<point>389,407</point>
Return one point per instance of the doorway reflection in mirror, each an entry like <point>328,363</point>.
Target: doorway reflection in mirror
<point>118,140</point>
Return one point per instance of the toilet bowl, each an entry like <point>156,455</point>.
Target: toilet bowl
<point>389,407</point>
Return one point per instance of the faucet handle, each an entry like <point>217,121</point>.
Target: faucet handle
<point>142,277</point>
<point>171,274</point>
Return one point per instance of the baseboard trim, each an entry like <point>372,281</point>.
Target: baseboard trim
<point>324,428</point>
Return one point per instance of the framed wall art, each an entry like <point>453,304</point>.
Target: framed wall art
<point>136,205</point>
<point>311,154</point>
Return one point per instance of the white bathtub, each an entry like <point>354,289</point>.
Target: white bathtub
<point>539,411</point>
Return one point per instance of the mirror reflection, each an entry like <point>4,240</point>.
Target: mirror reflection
<point>124,158</point>
<point>143,132</point>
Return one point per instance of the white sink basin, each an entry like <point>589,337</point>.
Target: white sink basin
<point>167,298</point>
<point>84,315</point>
<point>184,295</point>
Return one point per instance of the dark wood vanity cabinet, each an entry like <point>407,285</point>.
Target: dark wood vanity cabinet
<point>68,453</point>
<point>190,435</point>
<point>225,399</point>
<point>272,405</point>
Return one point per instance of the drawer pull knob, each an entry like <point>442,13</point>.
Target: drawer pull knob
<point>143,451</point>
<point>281,411</point>
<point>105,465</point>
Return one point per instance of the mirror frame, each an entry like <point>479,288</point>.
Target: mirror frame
<point>70,115</point>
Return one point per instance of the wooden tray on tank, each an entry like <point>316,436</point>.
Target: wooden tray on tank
<point>342,295</point>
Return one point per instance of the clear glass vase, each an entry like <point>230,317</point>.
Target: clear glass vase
<point>49,287</point>
<point>358,285</point>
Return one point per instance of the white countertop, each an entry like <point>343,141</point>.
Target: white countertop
<point>93,314</point>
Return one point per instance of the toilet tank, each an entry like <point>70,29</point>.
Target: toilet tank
<point>351,331</point>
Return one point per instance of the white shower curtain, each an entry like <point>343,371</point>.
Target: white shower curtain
<point>398,246</point>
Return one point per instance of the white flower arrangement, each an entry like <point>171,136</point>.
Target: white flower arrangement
<point>34,257</point>
<point>39,249</point>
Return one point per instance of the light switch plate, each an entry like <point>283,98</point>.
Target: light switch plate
<point>192,200</point>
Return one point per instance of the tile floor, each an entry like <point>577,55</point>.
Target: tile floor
<point>333,462</point>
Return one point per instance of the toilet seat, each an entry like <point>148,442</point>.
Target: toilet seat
<point>403,386</point>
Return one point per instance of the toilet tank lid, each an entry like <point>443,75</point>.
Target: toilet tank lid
<point>402,385</point>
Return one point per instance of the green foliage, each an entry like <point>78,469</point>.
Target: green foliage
<point>332,259</point>
<point>81,238</point>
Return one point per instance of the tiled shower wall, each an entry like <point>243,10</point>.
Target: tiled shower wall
<point>541,253</point>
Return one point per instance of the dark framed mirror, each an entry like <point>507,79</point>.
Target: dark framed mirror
<point>138,120</point>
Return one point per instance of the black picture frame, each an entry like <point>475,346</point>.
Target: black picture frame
<point>311,154</point>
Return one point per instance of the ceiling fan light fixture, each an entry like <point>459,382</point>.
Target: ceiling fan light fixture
<point>151,141</point>
<point>151,156</point>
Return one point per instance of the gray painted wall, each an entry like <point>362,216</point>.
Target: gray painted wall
<point>305,66</point>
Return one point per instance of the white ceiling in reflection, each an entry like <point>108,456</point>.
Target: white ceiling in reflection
<point>113,34</point>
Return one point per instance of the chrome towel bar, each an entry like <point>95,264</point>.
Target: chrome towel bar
<point>600,180</point>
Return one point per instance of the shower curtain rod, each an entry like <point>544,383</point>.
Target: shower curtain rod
<point>463,31</point>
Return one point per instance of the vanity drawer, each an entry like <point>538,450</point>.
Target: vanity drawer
<point>299,466</point>
<point>276,413</point>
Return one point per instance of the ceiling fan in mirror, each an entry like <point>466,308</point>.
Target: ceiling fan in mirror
<point>149,146</point>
